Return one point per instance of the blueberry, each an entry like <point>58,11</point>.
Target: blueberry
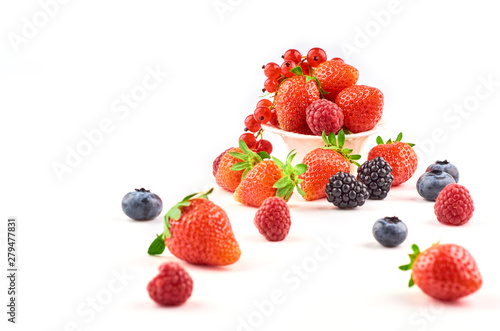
<point>430,184</point>
<point>142,205</point>
<point>390,231</point>
<point>446,167</point>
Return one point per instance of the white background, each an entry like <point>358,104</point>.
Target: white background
<point>429,59</point>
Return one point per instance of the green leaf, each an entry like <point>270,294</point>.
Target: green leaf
<point>300,168</point>
<point>264,155</point>
<point>238,155</point>
<point>415,249</point>
<point>411,282</point>
<point>399,137</point>
<point>288,194</point>
<point>301,192</point>
<point>188,197</point>
<point>411,145</point>
<point>405,267</point>
<point>380,141</point>
<point>244,147</point>
<point>297,71</point>
<point>279,163</point>
<point>157,246</point>
<point>308,78</point>
<point>283,191</point>
<point>356,163</point>
<point>325,139</point>
<point>389,141</point>
<point>341,138</point>
<point>332,139</point>
<point>290,157</point>
<point>284,181</point>
<point>240,166</point>
<point>174,213</point>
<point>245,173</point>
<point>355,157</point>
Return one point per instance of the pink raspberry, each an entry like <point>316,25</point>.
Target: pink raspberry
<point>172,286</point>
<point>324,115</point>
<point>454,205</point>
<point>272,219</point>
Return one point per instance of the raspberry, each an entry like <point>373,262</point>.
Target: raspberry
<point>272,219</point>
<point>345,192</point>
<point>376,175</point>
<point>324,115</point>
<point>215,165</point>
<point>454,205</point>
<point>172,286</point>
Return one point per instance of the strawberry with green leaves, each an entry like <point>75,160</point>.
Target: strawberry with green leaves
<point>198,231</point>
<point>400,156</point>
<point>293,97</point>
<point>446,272</point>
<point>270,178</point>
<point>334,76</point>
<point>324,162</point>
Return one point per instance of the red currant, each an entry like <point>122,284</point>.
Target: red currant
<point>315,56</point>
<point>249,139</point>
<point>251,124</point>
<point>264,103</point>
<point>262,115</point>
<point>271,84</point>
<point>272,70</point>
<point>292,55</point>
<point>286,67</point>
<point>264,146</point>
<point>305,68</point>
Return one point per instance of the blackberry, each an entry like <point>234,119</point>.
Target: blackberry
<point>376,175</point>
<point>345,192</point>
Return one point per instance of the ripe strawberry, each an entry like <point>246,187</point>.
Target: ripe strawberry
<point>198,231</point>
<point>454,205</point>
<point>231,168</point>
<point>273,219</point>
<point>172,286</point>
<point>292,98</point>
<point>445,272</point>
<point>362,107</point>
<point>334,76</point>
<point>400,156</point>
<point>324,162</point>
<point>270,178</point>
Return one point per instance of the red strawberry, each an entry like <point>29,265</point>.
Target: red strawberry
<point>172,286</point>
<point>273,219</point>
<point>216,163</point>
<point>362,107</point>
<point>292,98</point>
<point>445,272</point>
<point>198,231</point>
<point>454,205</point>
<point>267,179</point>
<point>334,76</point>
<point>322,163</point>
<point>400,156</point>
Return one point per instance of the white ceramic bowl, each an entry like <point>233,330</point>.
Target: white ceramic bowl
<point>303,144</point>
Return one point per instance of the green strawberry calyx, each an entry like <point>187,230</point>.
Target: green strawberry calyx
<point>286,184</point>
<point>380,141</point>
<point>413,257</point>
<point>158,245</point>
<point>298,72</point>
<point>336,143</point>
<point>249,158</point>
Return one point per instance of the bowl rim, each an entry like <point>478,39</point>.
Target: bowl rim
<point>284,133</point>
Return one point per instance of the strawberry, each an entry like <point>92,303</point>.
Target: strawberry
<point>324,162</point>
<point>230,168</point>
<point>400,156</point>
<point>334,76</point>
<point>445,272</point>
<point>292,98</point>
<point>198,231</point>
<point>362,107</point>
<point>270,178</point>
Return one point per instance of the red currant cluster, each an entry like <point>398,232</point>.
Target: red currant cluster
<point>264,113</point>
<point>276,74</point>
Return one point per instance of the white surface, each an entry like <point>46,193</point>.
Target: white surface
<point>69,77</point>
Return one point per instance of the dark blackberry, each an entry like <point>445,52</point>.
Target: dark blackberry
<point>376,175</point>
<point>345,192</point>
